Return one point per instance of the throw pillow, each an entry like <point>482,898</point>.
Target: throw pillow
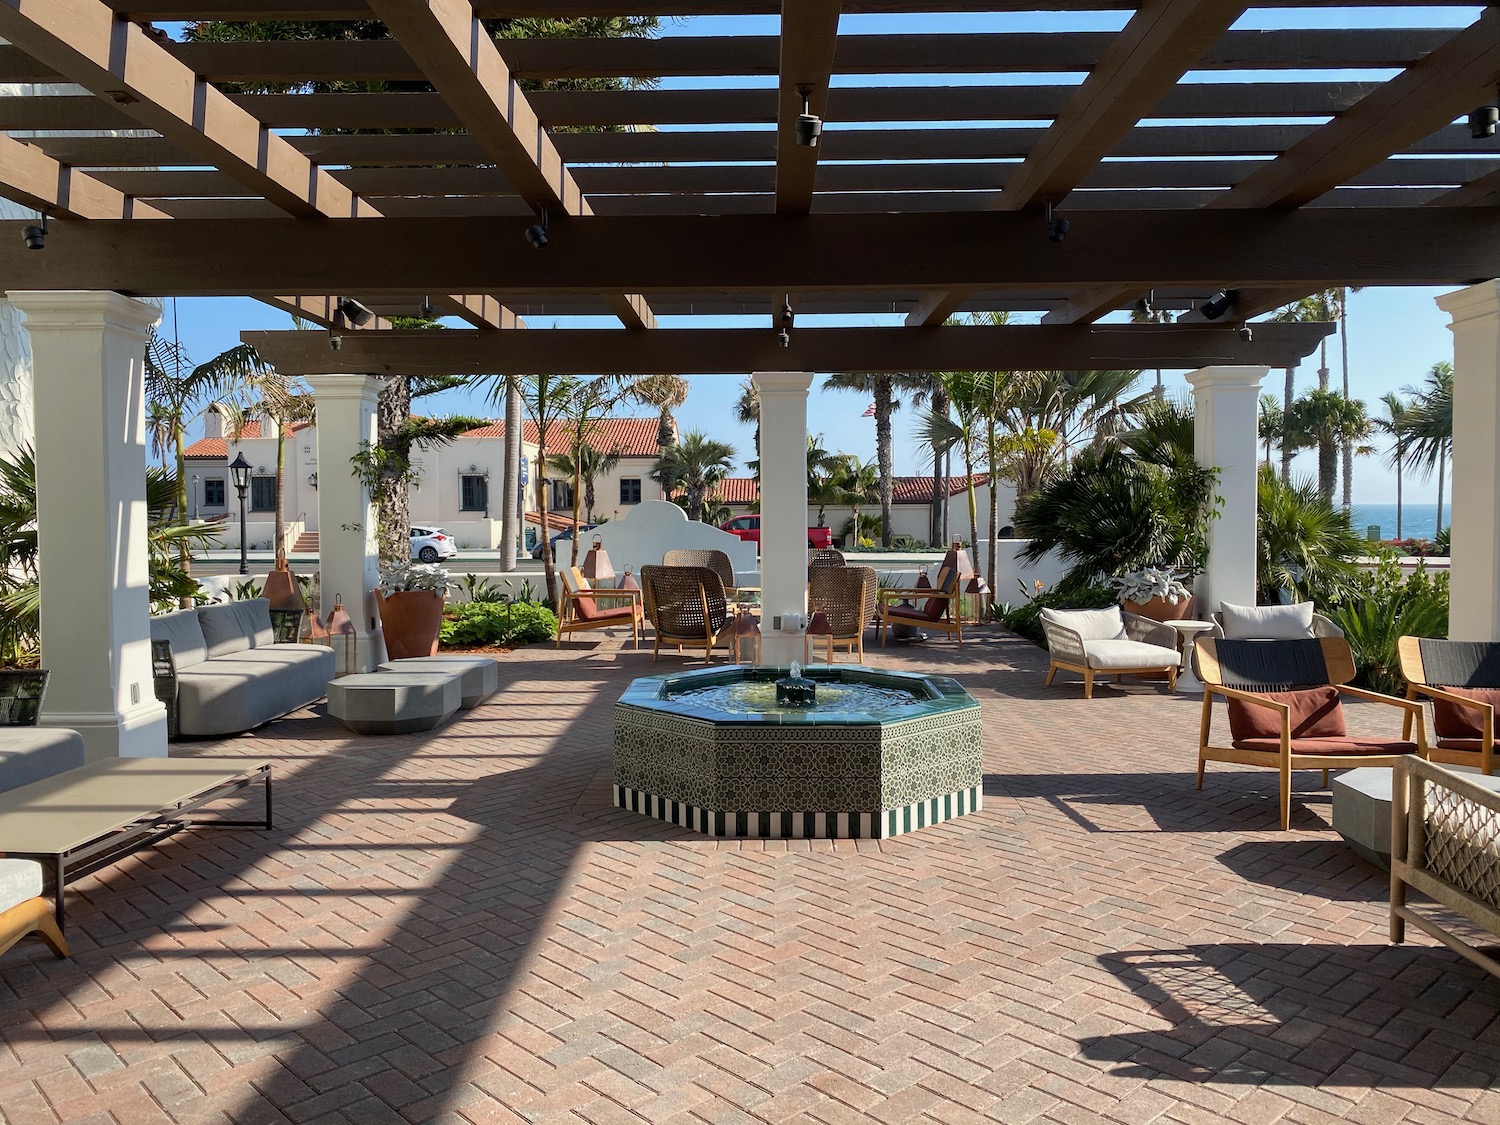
<point>1090,624</point>
<point>1450,720</point>
<point>1316,713</point>
<point>1267,622</point>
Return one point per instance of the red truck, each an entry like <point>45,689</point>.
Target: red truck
<point>748,527</point>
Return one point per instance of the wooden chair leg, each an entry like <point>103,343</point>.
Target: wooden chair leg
<point>1088,684</point>
<point>1051,671</point>
<point>46,928</point>
<point>1202,761</point>
<point>1286,798</point>
<point>1172,678</point>
<point>1325,779</point>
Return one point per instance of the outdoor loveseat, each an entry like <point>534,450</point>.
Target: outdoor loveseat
<point>219,669</point>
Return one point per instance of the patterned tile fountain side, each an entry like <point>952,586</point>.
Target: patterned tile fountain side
<point>845,774</point>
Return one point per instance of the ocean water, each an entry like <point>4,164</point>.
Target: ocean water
<point>1418,521</point>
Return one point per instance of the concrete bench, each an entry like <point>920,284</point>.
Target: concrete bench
<point>395,702</point>
<point>479,675</point>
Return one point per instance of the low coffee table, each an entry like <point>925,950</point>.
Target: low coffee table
<point>395,702</point>
<point>479,676</point>
<point>1362,808</point>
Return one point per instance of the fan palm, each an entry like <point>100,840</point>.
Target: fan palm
<point>1327,419</point>
<point>283,401</point>
<point>858,487</point>
<point>1430,425</point>
<point>1397,414</point>
<point>665,394</point>
<point>586,465</point>
<point>886,390</point>
<point>747,413</point>
<point>694,465</point>
<point>1272,422</point>
<point>1316,309</point>
<point>1305,546</point>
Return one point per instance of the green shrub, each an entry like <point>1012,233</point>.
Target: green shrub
<point>1385,607</point>
<point>481,624</point>
<point>1025,619</point>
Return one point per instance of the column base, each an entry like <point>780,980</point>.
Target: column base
<point>140,732</point>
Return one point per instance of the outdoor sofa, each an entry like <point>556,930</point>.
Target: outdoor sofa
<point>1108,642</point>
<point>219,669</point>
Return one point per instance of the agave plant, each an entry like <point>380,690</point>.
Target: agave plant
<point>1151,582</point>
<point>1388,607</point>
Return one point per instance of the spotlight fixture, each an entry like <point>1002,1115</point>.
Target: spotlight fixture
<point>1246,334</point>
<point>1057,228</point>
<point>1146,306</point>
<point>784,338</point>
<point>1217,305</point>
<point>354,312</point>
<point>35,237</point>
<point>787,315</point>
<point>1482,122</point>
<point>809,125</point>
<point>426,308</point>
<point>536,233</point>
<point>335,342</point>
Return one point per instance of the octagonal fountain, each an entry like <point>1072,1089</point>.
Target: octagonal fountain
<point>847,751</point>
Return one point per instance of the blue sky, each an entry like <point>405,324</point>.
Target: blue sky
<point>1395,334</point>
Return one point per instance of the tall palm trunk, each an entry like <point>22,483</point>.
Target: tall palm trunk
<point>512,516</point>
<point>993,541</point>
<point>394,515</point>
<point>938,518</point>
<point>1398,488</point>
<point>549,569</point>
<point>1287,394</point>
<point>1442,460</point>
<point>184,555</point>
<point>1328,466</point>
<point>973,500</point>
<point>1348,441</point>
<point>278,535</point>
<point>884,404</point>
<point>577,501</point>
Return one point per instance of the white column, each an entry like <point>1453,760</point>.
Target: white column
<point>88,356</point>
<point>783,511</point>
<point>1226,411</point>
<point>349,556</point>
<point>1474,613</point>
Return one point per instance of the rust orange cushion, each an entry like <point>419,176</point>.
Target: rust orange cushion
<point>1316,713</point>
<point>1450,720</point>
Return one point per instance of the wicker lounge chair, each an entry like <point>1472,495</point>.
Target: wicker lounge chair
<point>846,596</point>
<point>1285,711</point>
<point>584,607</point>
<point>1462,678</point>
<point>716,561</point>
<point>824,556</point>
<point>686,606</point>
<point>1108,642</point>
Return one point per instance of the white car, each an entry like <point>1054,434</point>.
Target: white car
<point>429,544</point>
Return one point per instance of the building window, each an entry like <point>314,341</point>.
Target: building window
<point>262,494</point>
<point>213,492</point>
<point>474,493</point>
<point>562,495</point>
<point>630,490</point>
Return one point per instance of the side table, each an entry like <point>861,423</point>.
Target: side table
<point>1187,680</point>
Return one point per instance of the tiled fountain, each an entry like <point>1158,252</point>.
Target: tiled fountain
<point>876,755</point>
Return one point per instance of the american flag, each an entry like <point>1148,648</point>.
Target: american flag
<point>869,411</point>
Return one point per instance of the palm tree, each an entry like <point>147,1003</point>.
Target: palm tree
<point>1341,305</point>
<point>1304,545</point>
<point>885,389</point>
<point>747,412</point>
<point>858,487</point>
<point>665,394</point>
<point>964,431</point>
<point>1327,419</point>
<point>585,465</point>
<point>695,465</point>
<point>1272,422</point>
<point>282,401</point>
<point>1430,425</point>
<point>1317,309</point>
<point>1397,415</point>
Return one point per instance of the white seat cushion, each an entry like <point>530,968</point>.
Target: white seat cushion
<point>20,881</point>
<point>1128,654</point>
<point>1090,624</point>
<point>1267,622</point>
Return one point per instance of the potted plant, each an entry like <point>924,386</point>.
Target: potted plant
<point>410,596</point>
<point>1159,593</point>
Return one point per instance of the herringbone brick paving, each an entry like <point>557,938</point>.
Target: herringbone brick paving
<point>459,927</point>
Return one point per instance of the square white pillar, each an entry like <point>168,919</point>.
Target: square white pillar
<point>1226,415</point>
<point>783,511</point>
<point>88,359</point>
<point>1474,613</point>
<point>348,552</point>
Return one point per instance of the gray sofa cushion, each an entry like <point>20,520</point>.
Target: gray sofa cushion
<point>30,754</point>
<point>185,634</point>
<point>20,881</point>
<point>236,626</point>
<point>240,691</point>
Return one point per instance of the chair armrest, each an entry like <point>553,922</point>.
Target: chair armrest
<point>1150,632</point>
<point>164,681</point>
<point>1284,709</point>
<point>892,593</point>
<point>1411,705</point>
<point>1324,627</point>
<point>1064,642</point>
<point>632,595</point>
<point>1450,697</point>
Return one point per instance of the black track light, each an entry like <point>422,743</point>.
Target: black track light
<point>809,125</point>
<point>536,233</point>
<point>1482,122</point>
<point>426,309</point>
<point>784,338</point>
<point>1057,227</point>
<point>1146,306</point>
<point>335,342</point>
<point>1217,305</point>
<point>35,237</point>
<point>788,317</point>
<point>354,312</point>
<point>1246,334</point>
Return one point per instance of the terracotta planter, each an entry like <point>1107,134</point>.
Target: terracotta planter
<point>1159,609</point>
<point>411,621</point>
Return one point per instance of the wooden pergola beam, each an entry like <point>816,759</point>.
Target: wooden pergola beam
<point>30,177</point>
<point>809,36</point>
<point>479,310</point>
<point>1420,100</point>
<point>768,254</point>
<point>730,350</point>
<point>322,311</point>
<point>1088,305</point>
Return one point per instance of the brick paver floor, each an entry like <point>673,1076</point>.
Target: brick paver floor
<point>459,927</point>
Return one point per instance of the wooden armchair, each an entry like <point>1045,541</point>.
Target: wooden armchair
<point>686,606</point>
<point>1285,710</point>
<point>1462,678</point>
<point>939,611</point>
<point>582,610</point>
<point>716,561</point>
<point>845,595</point>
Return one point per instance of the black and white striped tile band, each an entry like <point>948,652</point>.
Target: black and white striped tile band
<point>804,825</point>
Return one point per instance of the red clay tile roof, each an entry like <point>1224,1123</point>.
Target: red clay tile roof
<point>904,490</point>
<point>629,437</point>
<point>555,522</point>
<point>217,448</point>
<point>738,490</point>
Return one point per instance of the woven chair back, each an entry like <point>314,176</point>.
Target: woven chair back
<point>21,693</point>
<point>716,561</point>
<point>1274,666</point>
<point>824,556</point>
<point>1466,664</point>
<point>845,595</point>
<point>684,601</point>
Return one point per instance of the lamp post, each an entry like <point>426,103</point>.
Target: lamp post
<point>240,469</point>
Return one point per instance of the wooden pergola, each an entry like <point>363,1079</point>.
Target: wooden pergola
<point>921,200</point>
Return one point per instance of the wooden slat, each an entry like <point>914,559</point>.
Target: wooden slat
<point>809,35</point>
<point>632,309</point>
<point>82,40</point>
<point>479,310</point>
<point>1421,99</point>
<point>322,311</point>
<point>30,177</point>
<point>1088,305</point>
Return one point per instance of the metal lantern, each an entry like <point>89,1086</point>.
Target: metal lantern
<point>818,626</point>
<point>974,592</point>
<point>341,636</point>
<point>310,631</point>
<point>628,582</point>
<point>281,588</point>
<point>596,565</point>
<point>746,631</point>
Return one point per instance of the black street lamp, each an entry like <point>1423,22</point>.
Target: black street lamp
<point>240,469</point>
